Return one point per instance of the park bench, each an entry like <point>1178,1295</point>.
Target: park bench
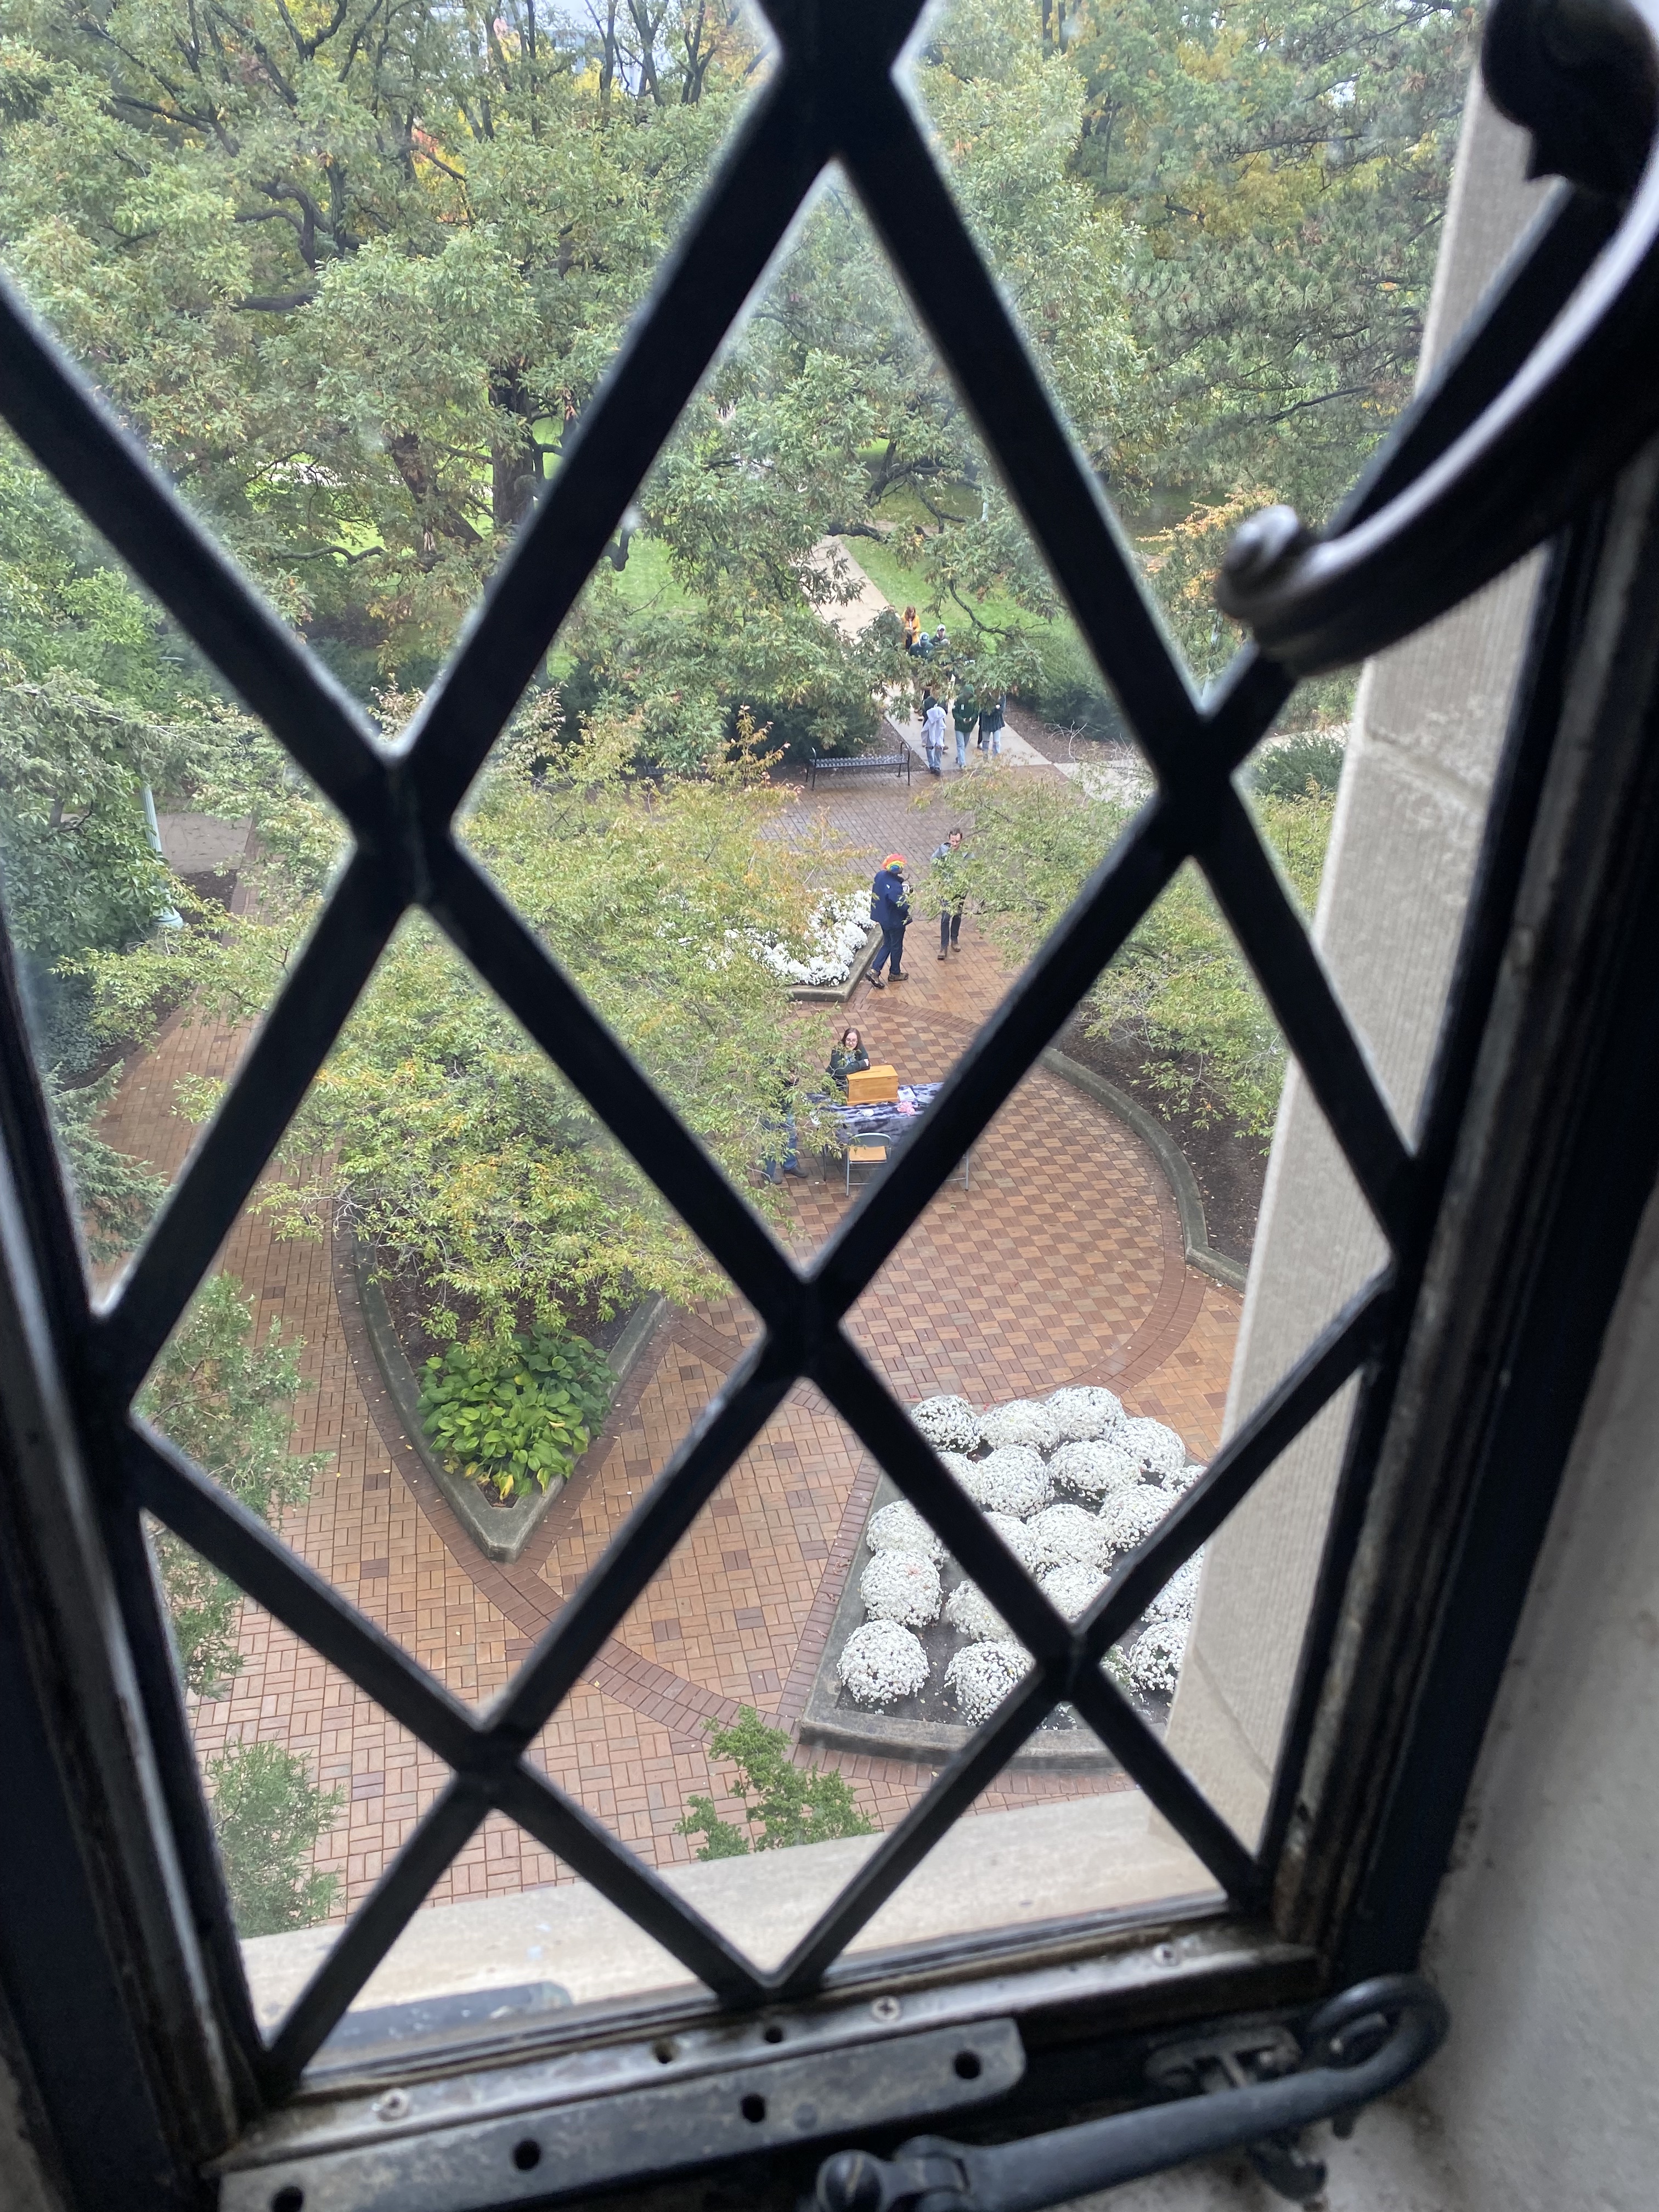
<point>861,763</point>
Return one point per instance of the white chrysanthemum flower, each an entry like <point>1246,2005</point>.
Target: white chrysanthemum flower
<point>970,1474</point>
<point>834,936</point>
<point>1175,1601</point>
<point>1066,1534</point>
<point>980,1675</point>
<point>881,1662</point>
<point>1084,1413</point>
<point>1181,1480</point>
<point>902,1586</point>
<point>1072,1587</point>
<point>899,1527</point>
<point>969,1610</point>
<point>1017,1537</point>
<point>1092,1470</point>
<point>1013,1480</point>
<point>1155,1662</point>
<point>1021,1421</point>
<point>1129,1517</point>
<point>948,1424</point>
<point>1158,1448</point>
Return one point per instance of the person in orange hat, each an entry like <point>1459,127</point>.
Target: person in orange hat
<point>890,909</point>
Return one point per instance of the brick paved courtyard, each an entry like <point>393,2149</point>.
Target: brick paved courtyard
<point>1062,1263</point>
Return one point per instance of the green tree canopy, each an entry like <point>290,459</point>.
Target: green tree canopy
<point>227,1398</point>
<point>436,1128</point>
<point>1179,989</point>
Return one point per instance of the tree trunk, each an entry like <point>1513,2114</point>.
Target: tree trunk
<point>515,464</point>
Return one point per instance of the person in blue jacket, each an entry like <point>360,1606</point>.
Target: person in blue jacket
<point>890,909</point>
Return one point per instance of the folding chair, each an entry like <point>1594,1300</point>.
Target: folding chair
<point>867,1155</point>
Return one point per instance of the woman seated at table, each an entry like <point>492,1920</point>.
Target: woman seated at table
<point>847,1058</point>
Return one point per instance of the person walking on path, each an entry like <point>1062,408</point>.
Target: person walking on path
<point>847,1058</point>
<point>991,719</point>
<point>964,712</point>
<point>890,909</point>
<point>932,733</point>
<point>946,876</point>
<point>912,629</point>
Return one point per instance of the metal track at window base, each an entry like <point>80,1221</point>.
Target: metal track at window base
<point>833,97</point>
<point>1194,1968</point>
<point>550,2141</point>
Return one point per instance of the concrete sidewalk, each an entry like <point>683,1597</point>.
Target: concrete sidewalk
<point>853,618</point>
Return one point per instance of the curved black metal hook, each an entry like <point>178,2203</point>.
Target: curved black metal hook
<point>1583,76</point>
<point>1355,2048</point>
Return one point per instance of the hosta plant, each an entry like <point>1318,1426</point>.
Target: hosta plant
<point>516,1417</point>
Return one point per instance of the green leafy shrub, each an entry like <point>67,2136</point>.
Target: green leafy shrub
<point>515,1417</point>
<point>1179,989</point>
<point>268,1814</point>
<point>1309,766</point>
<point>226,1399</point>
<point>117,1195</point>
<point>783,1804</point>
<point>1068,693</point>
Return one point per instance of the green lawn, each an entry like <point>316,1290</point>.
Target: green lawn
<point>907,586</point>
<point>647,580</point>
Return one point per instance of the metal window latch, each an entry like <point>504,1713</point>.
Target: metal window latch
<point>1252,2087</point>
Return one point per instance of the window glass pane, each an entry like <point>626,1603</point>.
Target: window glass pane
<point>353,280</point>
<point>820,640</point>
<point>1219,238</point>
<point>826,642</point>
<point>162,861</point>
<point>441,1346</point>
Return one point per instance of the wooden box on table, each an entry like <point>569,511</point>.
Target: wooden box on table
<point>873,1086</point>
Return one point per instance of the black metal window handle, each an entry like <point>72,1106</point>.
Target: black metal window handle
<point>1354,2050</point>
<point>1583,77</point>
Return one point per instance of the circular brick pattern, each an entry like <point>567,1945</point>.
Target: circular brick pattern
<point>1063,1263</point>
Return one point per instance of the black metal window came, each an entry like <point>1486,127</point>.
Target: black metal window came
<point>833,98</point>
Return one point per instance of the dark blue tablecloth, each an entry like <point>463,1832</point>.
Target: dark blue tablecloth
<point>882,1122</point>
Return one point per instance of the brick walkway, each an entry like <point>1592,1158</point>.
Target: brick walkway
<point>1062,1263</point>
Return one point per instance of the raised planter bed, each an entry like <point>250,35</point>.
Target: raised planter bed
<point>924,1727</point>
<point>837,994</point>
<point>501,1532</point>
